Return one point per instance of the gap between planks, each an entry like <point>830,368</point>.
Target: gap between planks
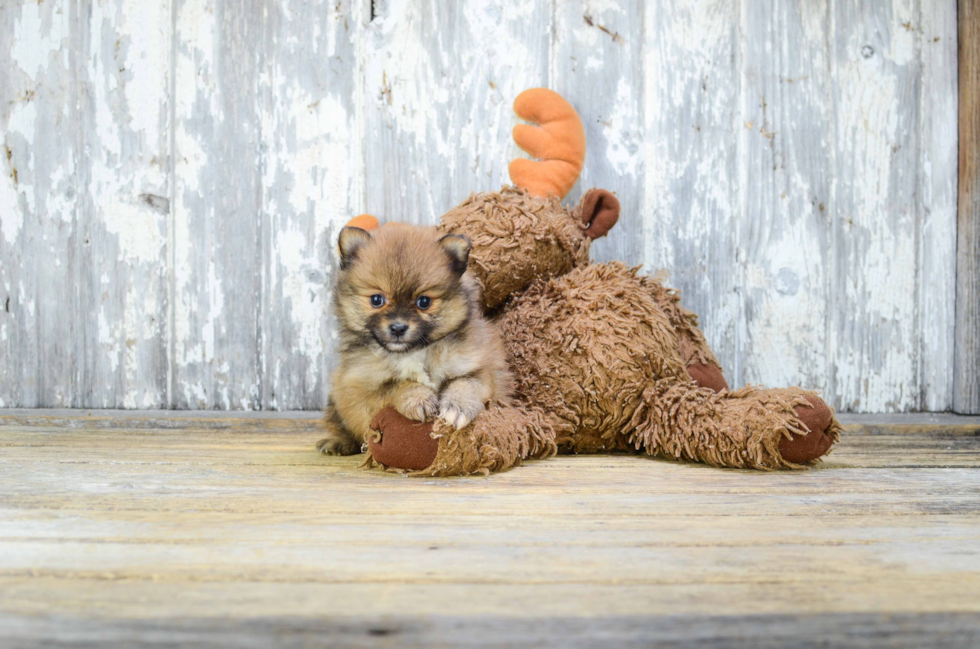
<point>307,420</point>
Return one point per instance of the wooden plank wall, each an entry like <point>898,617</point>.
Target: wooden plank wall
<point>175,173</point>
<point>966,397</point>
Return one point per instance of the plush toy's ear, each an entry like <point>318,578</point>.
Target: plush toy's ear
<point>557,143</point>
<point>457,247</point>
<point>349,241</point>
<point>599,211</point>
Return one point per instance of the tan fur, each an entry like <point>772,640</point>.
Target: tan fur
<point>450,363</point>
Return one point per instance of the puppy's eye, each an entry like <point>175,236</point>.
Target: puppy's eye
<point>423,302</point>
<point>377,300</point>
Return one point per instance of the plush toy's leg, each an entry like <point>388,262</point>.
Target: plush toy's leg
<point>707,375</point>
<point>499,438</point>
<point>747,428</point>
<point>401,442</point>
<point>800,449</point>
<point>701,363</point>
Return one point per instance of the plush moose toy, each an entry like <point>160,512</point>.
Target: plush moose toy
<point>604,359</point>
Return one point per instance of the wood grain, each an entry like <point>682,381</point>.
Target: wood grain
<point>311,179</point>
<point>39,270</point>
<point>785,142</point>
<point>130,534</point>
<point>936,198</point>
<point>217,232</point>
<point>410,77</point>
<point>502,49</point>
<point>874,266</point>
<point>751,632</point>
<point>597,57</point>
<point>174,176</point>
<point>120,320</point>
<point>691,188</point>
<point>967,357</point>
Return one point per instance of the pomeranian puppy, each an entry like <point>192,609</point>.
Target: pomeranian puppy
<point>412,334</point>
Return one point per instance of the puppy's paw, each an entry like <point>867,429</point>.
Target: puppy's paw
<point>419,403</point>
<point>458,413</point>
<point>345,445</point>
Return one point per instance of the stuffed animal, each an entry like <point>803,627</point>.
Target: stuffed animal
<point>605,359</point>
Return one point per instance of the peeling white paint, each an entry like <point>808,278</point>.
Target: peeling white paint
<point>624,141</point>
<point>23,116</point>
<point>501,51</point>
<point>147,63</point>
<point>755,157</point>
<point>878,336</point>
<point>39,32</point>
<point>937,195</point>
<point>785,118</point>
<point>11,218</point>
<point>138,229</point>
<point>107,338</point>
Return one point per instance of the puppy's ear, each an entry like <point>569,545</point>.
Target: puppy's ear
<point>349,241</point>
<point>457,246</point>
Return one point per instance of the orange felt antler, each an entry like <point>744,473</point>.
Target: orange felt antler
<point>557,143</point>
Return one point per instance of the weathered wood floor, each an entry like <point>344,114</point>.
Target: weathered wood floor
<point>165,530</point>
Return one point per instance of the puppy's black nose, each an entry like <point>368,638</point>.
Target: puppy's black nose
<point>397,328</point>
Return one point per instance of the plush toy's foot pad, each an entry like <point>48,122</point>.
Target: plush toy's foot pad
<point>404,444</point>
<point>707,375</point>
<point>801,449</point>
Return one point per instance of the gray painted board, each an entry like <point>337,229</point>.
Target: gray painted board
<point>692,167</point>
<point>786,158</point>
<point>309,119</point>
<point>175,174</point>
<point>937,196</point>
<point>122,204</point>
<point>39,203</point>
<point>217,239</point>
<point>598,55</point>
<point>873,269</point>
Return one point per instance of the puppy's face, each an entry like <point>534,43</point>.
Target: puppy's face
<point>400,286</point>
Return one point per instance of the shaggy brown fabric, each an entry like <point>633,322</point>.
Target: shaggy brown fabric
<point>577,339</point>
<point>599,358</point>
<point>740,429</point>
<point>516,238</point>
<point>497,440</point>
